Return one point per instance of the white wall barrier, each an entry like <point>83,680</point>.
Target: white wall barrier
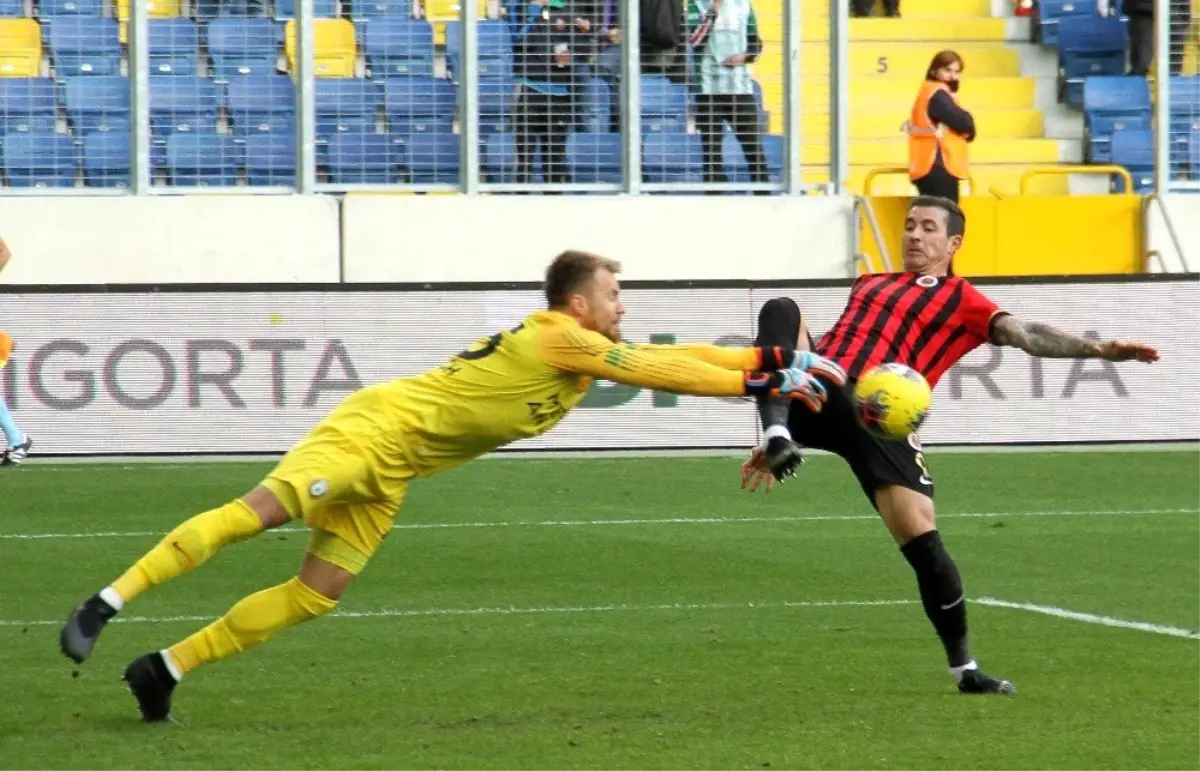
<point>1184,212</point>
<point>191,372</point>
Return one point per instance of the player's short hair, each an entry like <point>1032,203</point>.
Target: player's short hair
<point>956,221</point>
<point>570,271</point>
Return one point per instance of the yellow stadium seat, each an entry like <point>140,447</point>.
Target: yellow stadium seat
<point>20,48</point>
<point>438,12</point>
<point>335,51</point>
<point>158,9</point>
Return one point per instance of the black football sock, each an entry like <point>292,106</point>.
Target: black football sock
<point>941,593</point>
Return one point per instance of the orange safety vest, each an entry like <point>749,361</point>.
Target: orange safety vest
<point>925,138</point>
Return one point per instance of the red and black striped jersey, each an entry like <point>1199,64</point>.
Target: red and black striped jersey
<point>926,322</point>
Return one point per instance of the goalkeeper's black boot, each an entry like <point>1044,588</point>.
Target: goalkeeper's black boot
<point>151,684</point>
<point>783,457</point>
<point>974,681</point>
<point>83,628</point>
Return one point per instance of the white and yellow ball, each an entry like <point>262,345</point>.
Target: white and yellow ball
<point>892,400</point>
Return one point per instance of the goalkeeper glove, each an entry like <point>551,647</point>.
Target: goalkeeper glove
<point>776,358</point>
<point>788,383</point>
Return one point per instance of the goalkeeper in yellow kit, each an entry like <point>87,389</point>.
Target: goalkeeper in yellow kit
<point>349,475</point>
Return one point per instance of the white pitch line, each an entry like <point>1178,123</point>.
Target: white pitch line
<point>1091,618</point>
<point>514,611</point>
<point>629,522</point>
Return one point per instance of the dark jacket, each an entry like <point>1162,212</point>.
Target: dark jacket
<point>943,109</point>
<point>1137,7</point>
<point>538,37</point>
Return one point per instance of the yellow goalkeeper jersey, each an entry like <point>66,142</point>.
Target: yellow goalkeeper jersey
<point>521,382</point>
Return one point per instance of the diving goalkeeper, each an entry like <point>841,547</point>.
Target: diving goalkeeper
<point>348,477</point>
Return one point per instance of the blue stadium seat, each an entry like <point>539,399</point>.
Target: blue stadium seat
<point>360,157</point>
<point>500,160</point>
<point>183,105</point>
<point>27,105</point>
<point>1185,104</point>
<point>418,105</point>
<point>1113,103</point>
<point>324,9</point>
<point>244,47</point>
<point>1048,12</point>
<point>210,9</point>
<point>1192,156</point>
<point>264,104</point>
<point>11,9</point>
<point>495,49</point>
<point>432,158</point>
<point>174,46</point>
<point>1088,46</point>
<point>594,158</point>
<point>664,105</point>
<point>54,8</point>
<point>84,45</point>
<point>496,96</point>
<point>344,105</point>
<point>39,160</point>
<point>97,104</point>
<point>596,106</point>
<point>737,168</point>
<point>363,10</point>
<point>202,160</point>
<point>1134,150</point>
<point>672,157</point>
<point>107,159</point>
<point>399,47</point>
<point>271,159</point>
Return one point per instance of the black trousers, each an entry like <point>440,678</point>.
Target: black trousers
<point>546,118</point>
<point>740,111</point>
<point>1141,43</point>
<point>938,182</point>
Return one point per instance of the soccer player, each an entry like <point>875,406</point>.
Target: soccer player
<point>16,442</point>
<point>927,318</point>
<point>349,475</point>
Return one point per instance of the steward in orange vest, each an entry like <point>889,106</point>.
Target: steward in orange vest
<point>939,130</point>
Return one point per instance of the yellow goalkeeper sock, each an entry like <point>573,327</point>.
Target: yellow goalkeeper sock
<point>248,623</point>
<point>187,546</point>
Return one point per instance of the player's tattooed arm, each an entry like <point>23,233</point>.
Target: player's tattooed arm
<point>1038,339</point>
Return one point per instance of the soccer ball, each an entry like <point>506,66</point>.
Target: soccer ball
<point>891,401</point>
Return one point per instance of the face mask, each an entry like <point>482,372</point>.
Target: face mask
<point>953,86</point>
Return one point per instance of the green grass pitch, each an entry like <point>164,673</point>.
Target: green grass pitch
<point>630,613</point>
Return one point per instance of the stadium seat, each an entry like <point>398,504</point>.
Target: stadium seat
<point>594,158</point>
<point>360,157</point>
<point>12,8</point>
<point>183,105</point>
<point>1113,103</point>
<point>243,47</point>
<point>344,105</point>
<point>496,96</point>
<point>500,160</point>
<point>1088,46</point>
<point>211,9</point>
<point>596,106</point>
<point>107,159</point>
<point>336,50</point>
<point>672,157</point>
<point>399,47</point>
<point>84,45</point>
<point>271,159</point>
<point>262,105</point>
<point>97,104</point>
<point>495,49</point>
<point>362,10</point>
<point>1134,149</point>
<point>202,160</point>
<point>174,46</point>
<point>324,9</point>
<point>51,8</point>
<point>432,158</point>
<point>664,105</point>
<point>156,9</point>
<point>1192,156</point>
<point>1185,104</point>
<point>1048,12</point>
<point>418,105</point>
<point>27,105</point>
<point>443,13</point>
<point>39,160</point>
<point>20,48</point>
<point>737,168</point>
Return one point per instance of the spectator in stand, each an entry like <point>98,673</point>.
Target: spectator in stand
<point>939,130</point>
<point>551,44</point>
<point>1141,33</point>
<point>724,37</point>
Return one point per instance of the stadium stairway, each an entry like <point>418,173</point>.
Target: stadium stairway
<point>1008,84</point>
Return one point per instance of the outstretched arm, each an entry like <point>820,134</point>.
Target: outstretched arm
<point>738,359</point>
<point>1038,339</point>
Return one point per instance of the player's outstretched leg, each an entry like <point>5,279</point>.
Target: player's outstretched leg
<point>909,515</point>
<point>184,548</point>
<point>314,592</point>
<point>16,443</point>
<point>780,324</point>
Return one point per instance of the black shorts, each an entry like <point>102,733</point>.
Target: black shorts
<point>876,462</point>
